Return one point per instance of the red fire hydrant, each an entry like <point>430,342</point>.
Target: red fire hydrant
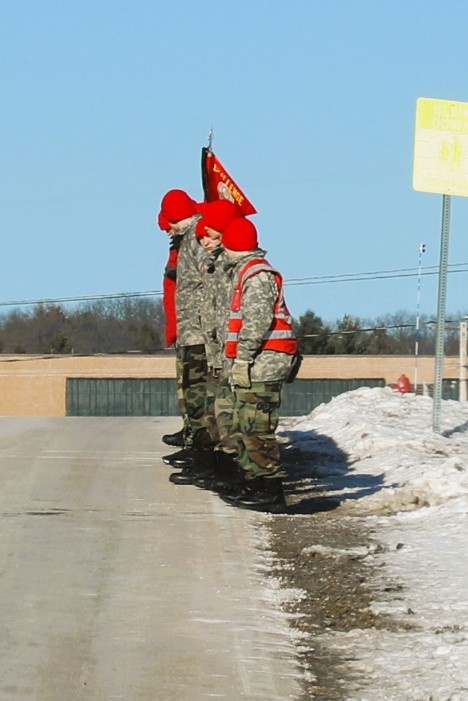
<point>403,384</point>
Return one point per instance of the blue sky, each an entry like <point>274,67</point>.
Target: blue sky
<point>106,105</point>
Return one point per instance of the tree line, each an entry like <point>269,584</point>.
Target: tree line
<point>110,326</point>
<point>391,334</point>
<point>137,325</point>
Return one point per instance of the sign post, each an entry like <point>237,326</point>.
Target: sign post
<point>422,249</point>
<point>462,395</point>
<point>441,304</point>
<point>441,166</point>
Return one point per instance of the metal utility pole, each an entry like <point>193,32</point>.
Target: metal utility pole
<point>462,390</point>
<point>441,302</point>
<point>422,249</point>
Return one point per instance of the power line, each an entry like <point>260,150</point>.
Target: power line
<point>55,300</point>
<point>292,282</point>
<point>376,275</point>
<point>379,328</point>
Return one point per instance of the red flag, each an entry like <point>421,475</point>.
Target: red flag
<point>219,185</point>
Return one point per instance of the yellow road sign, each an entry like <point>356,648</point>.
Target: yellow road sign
<point>441,147</point>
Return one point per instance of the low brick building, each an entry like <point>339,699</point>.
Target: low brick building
<point>37,385</point>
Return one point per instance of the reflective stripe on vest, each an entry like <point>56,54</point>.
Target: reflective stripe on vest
<point>280,337</point>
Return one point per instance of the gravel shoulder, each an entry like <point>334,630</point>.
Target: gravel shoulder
<point>317,549</point>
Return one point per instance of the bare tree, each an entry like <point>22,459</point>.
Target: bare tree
<point>110,326</point>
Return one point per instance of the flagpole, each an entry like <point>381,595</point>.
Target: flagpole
<point>422,249</point>
<point>210,139</point>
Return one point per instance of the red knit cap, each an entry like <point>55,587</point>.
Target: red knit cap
<point>177,205</point>
<point>240,235</point>
<point>162,223</point>
<point>216,215</point>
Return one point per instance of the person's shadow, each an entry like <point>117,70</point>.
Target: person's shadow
<point>320,476</point>
<point>458,429</point>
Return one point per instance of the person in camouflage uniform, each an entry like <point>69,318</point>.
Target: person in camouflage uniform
<point>208,231</point>
<point>216,217</point>
<point>255,331</point>
<point>181,212</point>
<point>178,438</point>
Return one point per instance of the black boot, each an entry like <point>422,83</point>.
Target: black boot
<point>228,483</point>
<point>202,477</point>
<point>259,494</point>
<point>226,475</point>
<point>191,473</point>
<point>223,465</point>
<point>175,439</point>
<point>189,457</point>
<point>186,454</point>
<point>184,477</point>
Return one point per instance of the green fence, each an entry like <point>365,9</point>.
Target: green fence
<point>157,397</point>
<point>302,396</point>
<point>121,397</point>
<point>450,389</point>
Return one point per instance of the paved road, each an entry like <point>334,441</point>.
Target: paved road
<point>115,584</point>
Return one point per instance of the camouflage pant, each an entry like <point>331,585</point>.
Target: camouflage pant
<point>193,375</point>
<point>247,421</point>
<point>224,416</point>
<point>181,398</point>
<point>212,383</point>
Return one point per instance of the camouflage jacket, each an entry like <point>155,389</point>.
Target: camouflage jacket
<point>215,282</point>
<point>258,302</point>
<point>189,292</point>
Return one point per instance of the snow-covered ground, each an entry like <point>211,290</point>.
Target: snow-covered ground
<point>383,459</point>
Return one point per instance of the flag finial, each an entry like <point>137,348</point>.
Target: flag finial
<point>210,139</point>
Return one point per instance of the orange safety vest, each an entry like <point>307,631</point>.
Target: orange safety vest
<point>280,337</point>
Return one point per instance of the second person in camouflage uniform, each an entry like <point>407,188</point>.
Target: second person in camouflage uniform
<point>259,348</point>
<point>208,231</point>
